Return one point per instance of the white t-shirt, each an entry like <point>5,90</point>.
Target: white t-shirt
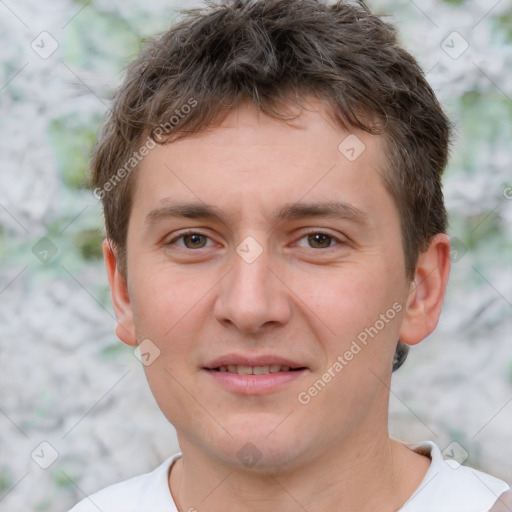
<point>447,487</point>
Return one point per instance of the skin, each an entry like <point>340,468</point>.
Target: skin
<point>301,299</point>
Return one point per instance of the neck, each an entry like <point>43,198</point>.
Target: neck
<point>375,474</point>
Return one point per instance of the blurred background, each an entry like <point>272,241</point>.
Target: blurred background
<point>76,413</point>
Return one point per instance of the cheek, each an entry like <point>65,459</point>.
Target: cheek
<point>164,300</point>
<point>169,310</point>
<point>357,314</point>
<point>347,298</point>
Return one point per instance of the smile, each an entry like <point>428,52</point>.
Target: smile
<point>254,370</point>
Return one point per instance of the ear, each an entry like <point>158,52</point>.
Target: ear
<point>427,291</point>
<point>125,328</point>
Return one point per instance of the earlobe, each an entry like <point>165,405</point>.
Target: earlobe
<point>426,295</point>
<point>125,328</point>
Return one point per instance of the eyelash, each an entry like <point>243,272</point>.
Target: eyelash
<point>193,232</point>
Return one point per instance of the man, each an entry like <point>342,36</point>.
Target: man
<point>276,238</point>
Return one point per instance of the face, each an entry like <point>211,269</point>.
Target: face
<point>259,255</point>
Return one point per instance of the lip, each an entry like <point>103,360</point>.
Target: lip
<point>245,360</point>
<point>254,384</point>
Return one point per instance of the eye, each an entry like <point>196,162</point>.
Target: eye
<point>320,240</point>
<point>191,240</point>
<point>314,240</point>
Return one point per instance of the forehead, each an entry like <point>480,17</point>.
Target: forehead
<point>251,161</point>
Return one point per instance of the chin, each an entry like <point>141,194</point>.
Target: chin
<point>261,449</point>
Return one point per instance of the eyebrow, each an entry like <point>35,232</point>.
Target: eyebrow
<point>290,211</point>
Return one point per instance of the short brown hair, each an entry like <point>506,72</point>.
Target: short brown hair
<point>275,52</point>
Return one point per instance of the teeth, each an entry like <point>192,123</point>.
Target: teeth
<point>253,370</point>
<point>261,370</point>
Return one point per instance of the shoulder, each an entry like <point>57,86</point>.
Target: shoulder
<point>450,486</point>
<point>122,494</point>
<point>149,491</point>
<point>503,503</point>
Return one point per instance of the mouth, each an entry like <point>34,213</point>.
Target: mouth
<point>255,370</point>
<point>254,375</point>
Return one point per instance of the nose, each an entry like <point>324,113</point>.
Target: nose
<point>253,295</point>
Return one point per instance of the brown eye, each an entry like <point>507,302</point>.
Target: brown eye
<point>194,241</point>
<point>319,240</point>
<point>190,240</point>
